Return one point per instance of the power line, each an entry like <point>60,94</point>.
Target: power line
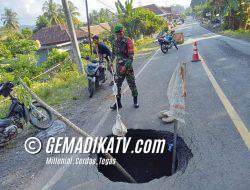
<point>106,5</point>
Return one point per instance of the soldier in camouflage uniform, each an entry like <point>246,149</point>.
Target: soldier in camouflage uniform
<point>123,51</point>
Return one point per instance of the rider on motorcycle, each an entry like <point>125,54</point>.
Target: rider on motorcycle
<point>103,52</point>
<point>170,35</point>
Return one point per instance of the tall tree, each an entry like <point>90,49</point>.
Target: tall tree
<point>137,21</point>
<point>93,17</point>
<point>103,15</point>
<point>41,22</point>
<point>9,18</point>
<point>125,15</point>
<point>74,12</point>
<point>177,9</point>
<point>52,12</point>
<point>196,2</point>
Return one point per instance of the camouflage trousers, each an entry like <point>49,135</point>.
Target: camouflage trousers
<point>130,77</point>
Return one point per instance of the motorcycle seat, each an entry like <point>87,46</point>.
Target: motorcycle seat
<point>168,38</point>
<point>4,123</point>
<point>92,66</point>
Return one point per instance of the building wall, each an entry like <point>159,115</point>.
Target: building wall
<point>44,52</point>
<point>43,55</point>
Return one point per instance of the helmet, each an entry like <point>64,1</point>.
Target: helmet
<point>95,37</point>
<point>118,28</point>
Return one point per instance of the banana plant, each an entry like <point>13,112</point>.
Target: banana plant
<point>125,15</point>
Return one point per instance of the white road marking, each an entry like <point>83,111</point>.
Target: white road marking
<point>233,39</point>
<point>238,123</point>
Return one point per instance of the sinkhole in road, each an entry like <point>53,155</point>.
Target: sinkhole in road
<point>144,167</point>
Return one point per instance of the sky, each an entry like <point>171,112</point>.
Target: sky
<point>29,10</point>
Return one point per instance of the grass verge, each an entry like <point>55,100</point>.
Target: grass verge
<point>62,87</point>
<point>242,34</point>
<point>145,45</point>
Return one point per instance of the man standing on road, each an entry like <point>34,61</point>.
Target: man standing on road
<point>123,51</point>
<point>104,53</point>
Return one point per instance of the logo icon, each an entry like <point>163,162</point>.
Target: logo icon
<point>33,145</point>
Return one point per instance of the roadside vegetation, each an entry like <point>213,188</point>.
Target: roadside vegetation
<point>145,45</point>
<point>240,33</point>
<point>229,17</point>
<point>18,56</point>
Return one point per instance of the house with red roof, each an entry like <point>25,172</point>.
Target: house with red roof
<point>56,37</point>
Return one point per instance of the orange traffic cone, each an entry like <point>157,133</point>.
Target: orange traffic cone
<point>195,54</point>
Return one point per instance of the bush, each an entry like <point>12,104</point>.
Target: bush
<point>21,66</point>
<point>25,66</point>
<point>26,33</point>
<point>56,57</point>
<point>145,44</point>
<point>61,87</point>
<point>20,46</point>
<point>4,52</point>
<point>85,50</point>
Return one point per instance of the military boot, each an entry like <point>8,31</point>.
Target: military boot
<point>136,105</point>
<point>114,106</point>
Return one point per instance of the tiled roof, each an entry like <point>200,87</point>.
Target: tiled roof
<point>154,8</point>
<point>97,29</point>
<point>56,35</point>
<point>166,9</point>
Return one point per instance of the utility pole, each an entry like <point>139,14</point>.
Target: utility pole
<point>87,12</point>
<point>73,38</point>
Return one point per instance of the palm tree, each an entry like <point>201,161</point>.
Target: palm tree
<point>126,9</point>
<point>73,9</point>
<point>74,13</point>
<point>93,17</point>
<point>126,17</point>
<point>52,12</point>
<point>41,22</point>
<point>9,19</point>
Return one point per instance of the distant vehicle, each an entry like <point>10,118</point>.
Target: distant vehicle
<point>19,115</point>
<point>95,72</point>
<point>167,42</point>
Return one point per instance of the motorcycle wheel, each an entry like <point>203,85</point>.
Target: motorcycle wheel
<point>97,84</point>
<point>164,48</point>
<point>40,118</point>
<point>91,88</point>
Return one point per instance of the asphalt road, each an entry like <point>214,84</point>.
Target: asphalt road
<point>220,154</point>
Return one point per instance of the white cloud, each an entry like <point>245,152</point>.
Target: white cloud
<point>27,10</point>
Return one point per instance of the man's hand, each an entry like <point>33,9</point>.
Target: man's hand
<point>122,69</point>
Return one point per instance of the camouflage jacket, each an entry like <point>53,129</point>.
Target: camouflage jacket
<point>123,51</point>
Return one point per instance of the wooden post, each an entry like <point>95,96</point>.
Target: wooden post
<point>174,146</point>
<point>77,129</point>
<point>87,12</point>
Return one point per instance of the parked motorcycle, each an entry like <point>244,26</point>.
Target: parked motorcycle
<point>167,42</point>
<point>19,116</point>
<point>96,72</point>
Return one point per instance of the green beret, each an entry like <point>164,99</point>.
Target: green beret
<point>118,28</point>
